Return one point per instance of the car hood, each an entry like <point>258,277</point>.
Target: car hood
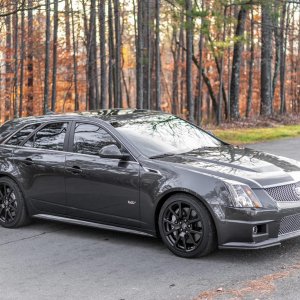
<point>257,169</point>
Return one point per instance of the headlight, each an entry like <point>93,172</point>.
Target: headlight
<point>241,195</point>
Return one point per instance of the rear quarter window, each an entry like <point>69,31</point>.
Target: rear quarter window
<point>6,129</point>
<point>21,135</point>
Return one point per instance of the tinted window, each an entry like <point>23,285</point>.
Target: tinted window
<point>89,139</point>
<point>164,134</point>
<point>22,134</point>
<point>6,129</point>
<point>50,137</point>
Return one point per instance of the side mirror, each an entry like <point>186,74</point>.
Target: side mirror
<point>113,152</point>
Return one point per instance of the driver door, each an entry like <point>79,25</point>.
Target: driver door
<point>100,189</point>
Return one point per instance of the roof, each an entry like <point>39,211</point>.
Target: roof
<point>104,114</point>
<point>108,115</point>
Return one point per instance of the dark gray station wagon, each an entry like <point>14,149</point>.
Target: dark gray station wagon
<point>147,172</point>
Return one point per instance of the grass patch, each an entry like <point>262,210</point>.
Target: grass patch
<point>241,136</point>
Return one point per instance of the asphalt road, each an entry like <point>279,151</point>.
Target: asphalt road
<point>48,260</point>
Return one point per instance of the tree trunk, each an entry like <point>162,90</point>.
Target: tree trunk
<point>251,67</point>
<point>75,71</point>
<point>68,47</point>
<point>54,56</point>
<point>182,71</point>
<point>277,49</point>
<point>30,77</point>
<point>236,65</point>
<point>111,56</point>
<point>118,100</point>
<point>175,49</point>
<point>221,86</point>
<point>8,68</point>
<point>189,60</point>
<point>215,55</point>
<point>266,61</point>
<point>86,42</point>
<point>47,58</point>
<point>139,56</point>
<point>22,57</point>
<point>92,67</point>
<point>103,79</point>
<point>157,58</point>
<point>283,58</point>
<point>16,63</point>
<point>200,81</point>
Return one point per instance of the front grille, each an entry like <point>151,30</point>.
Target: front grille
<point>289,224</point>
<point>284,193</point>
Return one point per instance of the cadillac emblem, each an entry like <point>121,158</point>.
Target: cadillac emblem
<point>297,190</point>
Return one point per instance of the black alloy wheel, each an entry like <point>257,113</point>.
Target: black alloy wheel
<point>12,207</point>
<point>8,203</point>
<point>186,226</point>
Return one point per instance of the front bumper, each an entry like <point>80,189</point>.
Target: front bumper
<point>270,242</point>
<point>259,228</point>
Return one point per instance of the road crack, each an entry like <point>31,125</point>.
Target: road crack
<point>31,237</point>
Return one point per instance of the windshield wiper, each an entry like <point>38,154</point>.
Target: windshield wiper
<point>161,155</point>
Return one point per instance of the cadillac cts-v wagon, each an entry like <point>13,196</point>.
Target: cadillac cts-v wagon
<point>147,172</point>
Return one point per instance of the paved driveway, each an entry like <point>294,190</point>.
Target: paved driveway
<point>56,261</point>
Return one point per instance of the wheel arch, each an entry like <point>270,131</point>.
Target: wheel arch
<point>163,198</point>
<point>3,174</point>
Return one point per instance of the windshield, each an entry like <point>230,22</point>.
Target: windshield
<point>163,134</point>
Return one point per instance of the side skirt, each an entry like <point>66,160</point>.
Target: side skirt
<point>91,224</point>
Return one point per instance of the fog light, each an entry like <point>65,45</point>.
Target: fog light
<point>255,229</point>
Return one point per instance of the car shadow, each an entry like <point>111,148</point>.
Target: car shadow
<point>288,249</point>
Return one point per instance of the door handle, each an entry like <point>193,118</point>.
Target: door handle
<point>75,170</point>
<point>27,161</point>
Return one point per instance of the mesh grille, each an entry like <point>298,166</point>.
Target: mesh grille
<point>284,193</point>
<point>289,224</point>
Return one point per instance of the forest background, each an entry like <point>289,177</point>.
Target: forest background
<point>209,61</point>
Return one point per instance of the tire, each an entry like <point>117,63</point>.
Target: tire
<point>13,212</point>
<point>186,227</point>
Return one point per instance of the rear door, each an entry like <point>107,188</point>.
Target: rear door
<point>41,163</point>
<point>10,144</point>
<point>100,189</point>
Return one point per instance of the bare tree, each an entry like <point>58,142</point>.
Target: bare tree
<point>266,61</point>
<point>75,70</point>
<point>221,86</point>
<point>67,14</point>
<point>236,64</point>
<point>283,44</point>
<point>139,55</point>
<point>16,64</point>
<point>22,58</point>
<point>103,79</point>
<point>251,66</point>
<point>92,64</point>
<point>30,76</point>
<point>118,99</point>
<point>189,60</point>
<point>111,80</point>
<point>157,57</point>
<point>8,69</point>
<point>54,55</point>
<point>47,58</point>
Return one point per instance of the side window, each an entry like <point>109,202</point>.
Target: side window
<point>89,139</point>
<point>22,134</point>
<point>50,137</point>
